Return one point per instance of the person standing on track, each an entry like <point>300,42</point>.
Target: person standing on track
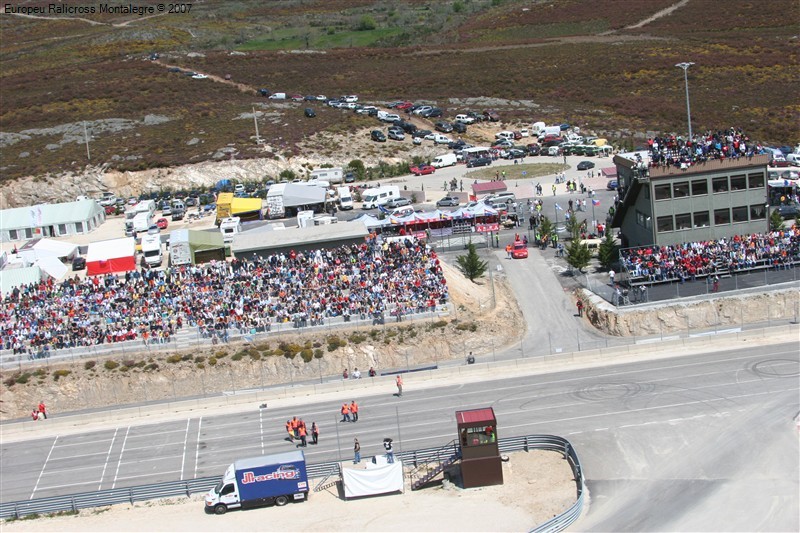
<point>399,383</point>
<point>354,410</point>
<point>345,413</point>
<point>302,431</point>
<point>356,452</point>
<point>314,433</point>
<point>290,430</point>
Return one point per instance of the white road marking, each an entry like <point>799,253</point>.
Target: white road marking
<point>261,428</point>
<point>116,474</point>
<point>185,440</point>
<point>43,467</point>
<point>197,450</point>
<point>159,458</point>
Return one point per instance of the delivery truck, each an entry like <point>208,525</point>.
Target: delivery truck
<point>273,479</point>
<point>151,249</point>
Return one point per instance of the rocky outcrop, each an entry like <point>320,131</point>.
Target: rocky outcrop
<point>704,314</point>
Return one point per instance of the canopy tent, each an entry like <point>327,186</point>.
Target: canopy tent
<point>372,221</point>
<point>194,246</point>
<point>52,266</point>
<point>478,210</point>
<point>115,255</point>
<point>299,195</point>
<point>16,277</point>
<point>41,248</point>
<point>487,187</point>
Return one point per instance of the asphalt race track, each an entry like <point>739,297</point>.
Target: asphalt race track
<point>699,442</point>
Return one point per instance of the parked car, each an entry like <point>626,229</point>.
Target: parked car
<point>404,105</point>
<point>466,119</point>
<point>432,113</point>
<point>421,170</point>
<point>585,165</point>
<point>443,126</point>
<point>349,177</point>
<point>422,109</point>
<point>422,134</point>
<point>612,185</point>
<point>397,134</point>
<point>321,98</point>
<point>296,98</point>
<point>78,263</point>
<point>310,113</point>
<point>310,98</point>
<point>534,149</point>
<point>788,211</point>
<point>438,138</point>
<point>514,153</point>
<point>491,116</point>
<point>448,201</point>
<point>162,223</point>
<point>110,209</point>
<point>457,145</point>
<point>479,162</point>
<point>153,230</point>
<point>397,202</point>
<point>503,143</point>
<point>378,136</point>
<point>459,127</point>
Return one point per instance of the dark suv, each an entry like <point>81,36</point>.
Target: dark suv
<point>378,136</point>
<point>444,127</point>
<point>479,162</point>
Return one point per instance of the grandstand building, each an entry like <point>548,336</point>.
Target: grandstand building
<point>714,199</point>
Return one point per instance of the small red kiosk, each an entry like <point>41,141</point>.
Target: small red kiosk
<point>480,456</point>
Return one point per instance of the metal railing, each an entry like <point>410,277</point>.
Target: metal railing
<point>102,498</point>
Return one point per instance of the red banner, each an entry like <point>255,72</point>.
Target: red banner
<point>483,228</point>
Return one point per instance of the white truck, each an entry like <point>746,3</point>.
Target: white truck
<point>151,249</point>
<point>140,222</point>
<point>230,227</point>
<point>345,198</point>
<point>445,160</point>
<point>331,175</point>
<point>379,196</point>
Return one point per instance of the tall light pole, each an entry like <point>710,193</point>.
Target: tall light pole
<point>685,66</point>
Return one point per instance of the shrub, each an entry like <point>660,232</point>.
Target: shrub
<point>307,354</point>
<point>238,356</point>
<point>186,357</point>
<point>89,365</point>
<point>58,374</point>
<point>129,363</point>
<point>151,367</point>
<point>357,338</point>
<point>438,324</point>
<point>201,366</point>
<point>254,355</point>
<point>41,372</point>
<point>318,353</point>
<point>173,359</point>
<point>212,361</point>
<point>110,365</point>
<point>467,326</point>
<point>335,342</point>
<point>221,354</point>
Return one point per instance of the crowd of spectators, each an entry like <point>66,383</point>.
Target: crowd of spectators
<point>687,261</point>
<point>244,294</point>
<point>672,151</point>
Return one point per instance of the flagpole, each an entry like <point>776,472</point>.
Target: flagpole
<point>594,220</point>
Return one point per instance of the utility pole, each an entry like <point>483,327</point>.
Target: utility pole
<point>685,66</point>
<point>86,139</point>
<point>255,121</point>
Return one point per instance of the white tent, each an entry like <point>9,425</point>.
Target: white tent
<point>15,277</point>
<point>52,266</point>
<point>42,248</point>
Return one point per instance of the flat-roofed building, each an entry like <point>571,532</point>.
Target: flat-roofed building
<point>50,220</point>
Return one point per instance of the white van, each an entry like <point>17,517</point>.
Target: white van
<point>446,160</point>
<point>345,200</point>
<point>277,96</point>
<point>229,227</point>
<point>379,196</point>
<point>504,135</point>
<point>793,159</point>
<point>387,117</point>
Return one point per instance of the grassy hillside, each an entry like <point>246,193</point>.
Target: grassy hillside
<point>581,62</point>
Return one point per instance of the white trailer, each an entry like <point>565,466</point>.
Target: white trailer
<point>331,175</point>
<point>230,227</point>
<point>379,196</point>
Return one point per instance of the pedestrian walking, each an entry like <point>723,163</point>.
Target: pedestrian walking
<point>387,445</point>
<point>345,413</point>
<point>356,452</point>
<point>314,433</point>
<point>43,409</point>
<point>399,382</point>
<point>354,410</point>
<point>554,189</point>
<point>295,427</point>
<point>579,305</point>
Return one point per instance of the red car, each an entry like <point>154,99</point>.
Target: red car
<point>421,170</point>
<point>296,98</point>
<point>519,250</point>
<point>111,210</point>
<point>404,105</point>
<point>162,223</point>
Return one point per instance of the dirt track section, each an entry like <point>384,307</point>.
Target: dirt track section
<point>241,86</point>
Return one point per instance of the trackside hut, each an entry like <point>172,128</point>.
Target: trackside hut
<point>263,242</point>
<point>194,247</point>
<point>50,220</point>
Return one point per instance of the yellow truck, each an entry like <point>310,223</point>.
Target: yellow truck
<point>245,209</point>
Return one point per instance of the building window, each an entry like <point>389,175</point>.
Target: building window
<point>701,219</point>
<point>699,187</point>
<point>644,220</point>
<point>683,221</point>
<point>758,212</point>
<point>756,181</point>
<point>720,184</point>
<point>13,234</point>
<point>29,233</point>
<point>738,182</point>
<point>663,192</point>
<point>62,229</point>
<point>79,227</point>
<point>665,224</point>
<point>680,189</point>
<point>740,214</point>
<point>722,216</point>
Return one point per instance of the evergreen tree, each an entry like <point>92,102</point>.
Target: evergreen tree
<point>578,254</point>
<point>607,251</point>
<point>471,265</point>
<point>574,226</point>
<point>546,228</point>
<point>776,221</point>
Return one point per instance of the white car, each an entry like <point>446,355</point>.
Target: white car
<point>421,110</point>
<point>199,77</point>
<point>438,138</point>
<point>465,119</point>
<point>365,110</point>
<point>321,97</point>
<point>350,98</point>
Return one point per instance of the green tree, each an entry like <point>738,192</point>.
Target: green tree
<point>776,221</point>
<point>471,265</point>
<point>366,23</point>
<point>607,251</point>
<point>578,254</point>
<point>458,6</point>
<point>574,226</point>
<point>357,167</point>
<point>287,174</point>
<point>546,228</point>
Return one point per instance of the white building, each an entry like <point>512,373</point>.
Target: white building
<point>50,220</point>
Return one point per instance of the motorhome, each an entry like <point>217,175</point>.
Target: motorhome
<point>230,227</point>
<point>151,249</point>
<point>379,196</point>
<point>345,198</point>
<point>331,175</point>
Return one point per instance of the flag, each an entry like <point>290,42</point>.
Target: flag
<point>595,202</point>
<point>558,207</point>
